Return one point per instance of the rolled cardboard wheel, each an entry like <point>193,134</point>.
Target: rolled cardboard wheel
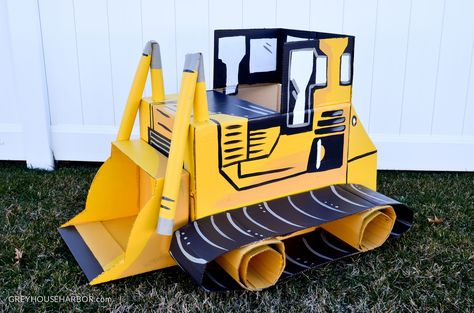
<point>366,230</point>
<point>255,266</point>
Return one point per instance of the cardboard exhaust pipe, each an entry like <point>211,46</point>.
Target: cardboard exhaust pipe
<point>366,230</point>
<point>255,266</point>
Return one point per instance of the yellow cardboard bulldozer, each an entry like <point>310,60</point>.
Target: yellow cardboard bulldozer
<point>268,174</point>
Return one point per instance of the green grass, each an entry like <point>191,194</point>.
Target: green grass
<point>428,269</point>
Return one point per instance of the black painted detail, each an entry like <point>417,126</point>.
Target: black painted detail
<point>333,157</point>
<point>165,207</point>
<point>231,157</point>
<point>159,142</point>
<point>354,120</point>
<point>278,170</point>
<point>167,199</point>
<point>188,71</point>
<point>362,156</point>
<point>229,180</point>
<point>231,142</point>
<point>232,134</point>
<point>289,91</point>
<point>81,252</point>
<point>230,150</point>
<point>233,126</point>
<point>274,218</point>
<point>256,133</point>
<point>332,121</point>
<point>329,130</point>
<point>273,76</point>
<point>163,113</point>
<point>332,113</point>
<point>164,126</point>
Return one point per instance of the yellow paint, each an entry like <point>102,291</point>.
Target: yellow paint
<point>157,85</point>
<point>363,171</point>
<point>334,93</point>
<point>201,113</point>
<point>134,99</point>
<point>360,142</point>
<point>100,242</point>
<point>291,152</point>
<point>144,116</point>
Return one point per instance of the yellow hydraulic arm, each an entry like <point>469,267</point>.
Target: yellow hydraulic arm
<point>193,91</point>
<point>150,58</point>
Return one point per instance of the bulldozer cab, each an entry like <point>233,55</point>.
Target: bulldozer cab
<point>285,71</point>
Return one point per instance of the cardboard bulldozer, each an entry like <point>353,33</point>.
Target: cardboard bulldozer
<point>268,174</point>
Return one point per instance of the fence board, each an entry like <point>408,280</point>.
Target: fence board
<point>453,70</point>
<point>92,33</point>
<point>389,66</point>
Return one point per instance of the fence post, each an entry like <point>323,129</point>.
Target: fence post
<point>30,82</point>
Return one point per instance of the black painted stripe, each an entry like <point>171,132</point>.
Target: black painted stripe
<point>362,156</point>
<point>161,150</point>
<point>231,157</point>
<point>163,113</point>
<point>232,149</point>
<point>278,170</point>
<point>167,199</point>
<point>156,144</point>
<point>230,142</point>
<point>157,135</point>
<point>233,126</point>
<point>332,113</point>
<point>332,121</point>
<point>233,134</point>
<point>162,125</point>
<point>161,140</point>
<point>329,130</point>
<point>165,207</point>
<point>257,133</point>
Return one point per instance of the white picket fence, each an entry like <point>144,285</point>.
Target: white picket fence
<point>66,67</point>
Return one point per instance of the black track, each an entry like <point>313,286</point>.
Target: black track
<point>196,245</point>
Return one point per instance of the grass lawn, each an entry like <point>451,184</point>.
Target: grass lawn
<point>431,268</point>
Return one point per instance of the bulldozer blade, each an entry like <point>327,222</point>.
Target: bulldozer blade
<point>114,236</point>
